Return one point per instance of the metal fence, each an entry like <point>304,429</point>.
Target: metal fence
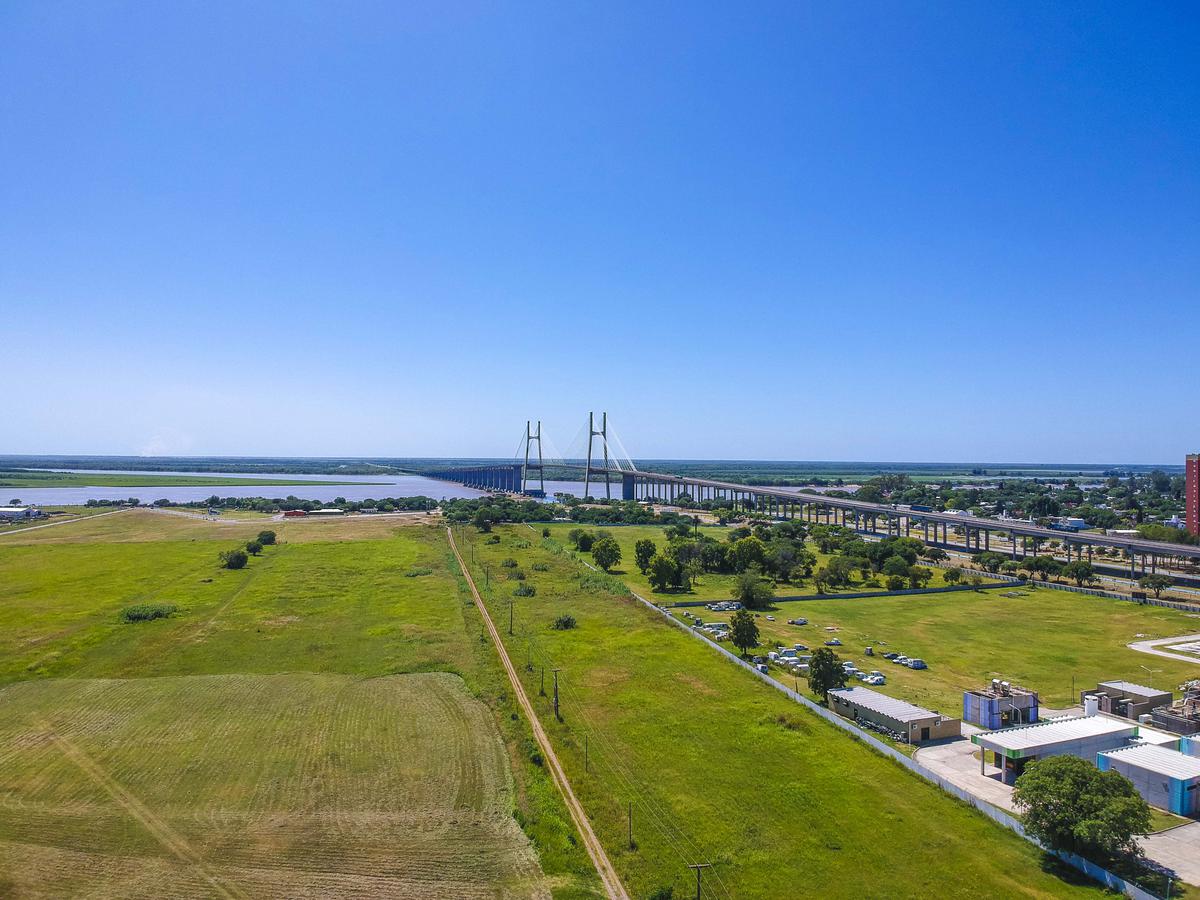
<point>1099,873</point>
<point>857,594</point>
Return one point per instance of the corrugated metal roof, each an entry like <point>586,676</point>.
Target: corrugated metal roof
<point>899,710</point>
<point>1159,760</point>
<point>1054,731</point>
<point>1128,687</point>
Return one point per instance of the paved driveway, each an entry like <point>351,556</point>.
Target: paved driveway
<point>1178,849</point>
<point>957,762</point>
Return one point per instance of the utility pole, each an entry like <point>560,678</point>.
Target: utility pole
<point>511,603</point>
<point>487,578</point>
<point>542,689</point>
<point>630,824</point>
<point>699,867</point>
<point>556,715</point>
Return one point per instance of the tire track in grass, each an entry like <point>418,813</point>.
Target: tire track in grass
<point>202,631</point>
<point>168,837</point>
<point>604,867</point>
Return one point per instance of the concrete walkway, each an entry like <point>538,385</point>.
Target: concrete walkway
<point>957,762</point>
<point>1152,647</point>
<point>1178,849</point>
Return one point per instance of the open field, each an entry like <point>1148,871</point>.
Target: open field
<point>722,769</point>
<point>311,631</point>
<point>142,524</point>
<point>708,586</point>
<point>1038,638</point>
<point>23,478</point>
<point>53,514</point>
<point>270,786</point>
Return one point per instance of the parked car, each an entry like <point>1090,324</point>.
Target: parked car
<point>916,664</point>
<point>890,655</point>
<point>833,642</point>
<point>762,668</point>
<point>770,618</point>
<point>797,621</point>
<point>902,660</point>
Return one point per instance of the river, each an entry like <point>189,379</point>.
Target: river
<point>322,487</point>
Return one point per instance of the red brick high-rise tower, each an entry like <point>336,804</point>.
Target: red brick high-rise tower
<point>1192,493</point>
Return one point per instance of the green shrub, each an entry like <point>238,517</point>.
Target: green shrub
<point>524,590</point>
<point>234,559</point>
<point>494,539</point>
<point>598,583</point>
<point>508,563</point>
<point>565,622</point>
<point>516,575</point>
<point>253,548</point>
<point>521,545</point>
<point>144,612</point>
<point>418,571</point>
<point>266,538</point>
<point>540,567</point>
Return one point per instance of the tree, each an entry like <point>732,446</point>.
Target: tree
<point>1155,582</point>
<point>266,538</point>
<point>663,573</point>
<point>606,552</point>
<point>1045,566</point>
<point>825,672</point>
<point>951,576</point>
<point>691,571</point>
<point>747,552</point>
<point>821,580</point>
<point>989,561</point>
<point>895,583</point>
<point>584,540</point>
<point>643,552</point>
<point>896,565</point>
<point>1080,571</point>
<point>743,631</point>
<point>482,520</point>
<point>935,554</point>
<point>234,559</point>
<point>253,548</point>
<point>753,591</point>
<point>918,576</point>
<point>1071,805</point>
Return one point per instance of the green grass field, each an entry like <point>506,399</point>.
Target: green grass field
<point>242,738</point>
<point>26,478</point>
<point>1039,639</point>
<point>722,769</point>
<point>242,785</point>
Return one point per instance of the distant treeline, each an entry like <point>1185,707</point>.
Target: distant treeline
<point>237,465</point>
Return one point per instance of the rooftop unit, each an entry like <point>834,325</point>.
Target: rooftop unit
<point>1000,705</point>
<point>1182,716</point>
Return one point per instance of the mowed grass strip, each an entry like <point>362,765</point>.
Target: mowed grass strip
<point>269,786</point>
<point>722,769</point>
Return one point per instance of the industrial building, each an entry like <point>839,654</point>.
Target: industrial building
<point>1083,736</point>
<point>1191,492</point>
<point>1182,716</point>
<point>1165,778</point>
<point>1000,705</point>
<point>14,513</point>
<point>1126,699</point>
<point>915,723</point>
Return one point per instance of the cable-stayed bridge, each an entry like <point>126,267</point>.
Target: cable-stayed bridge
<point>607,467</point>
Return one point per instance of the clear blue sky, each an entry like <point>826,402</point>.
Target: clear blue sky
<point>922,231</point>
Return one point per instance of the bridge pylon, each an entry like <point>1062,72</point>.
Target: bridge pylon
<point>530,437</point>
<point>603,435</point>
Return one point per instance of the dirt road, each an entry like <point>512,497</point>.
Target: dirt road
<point>608,875</point>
